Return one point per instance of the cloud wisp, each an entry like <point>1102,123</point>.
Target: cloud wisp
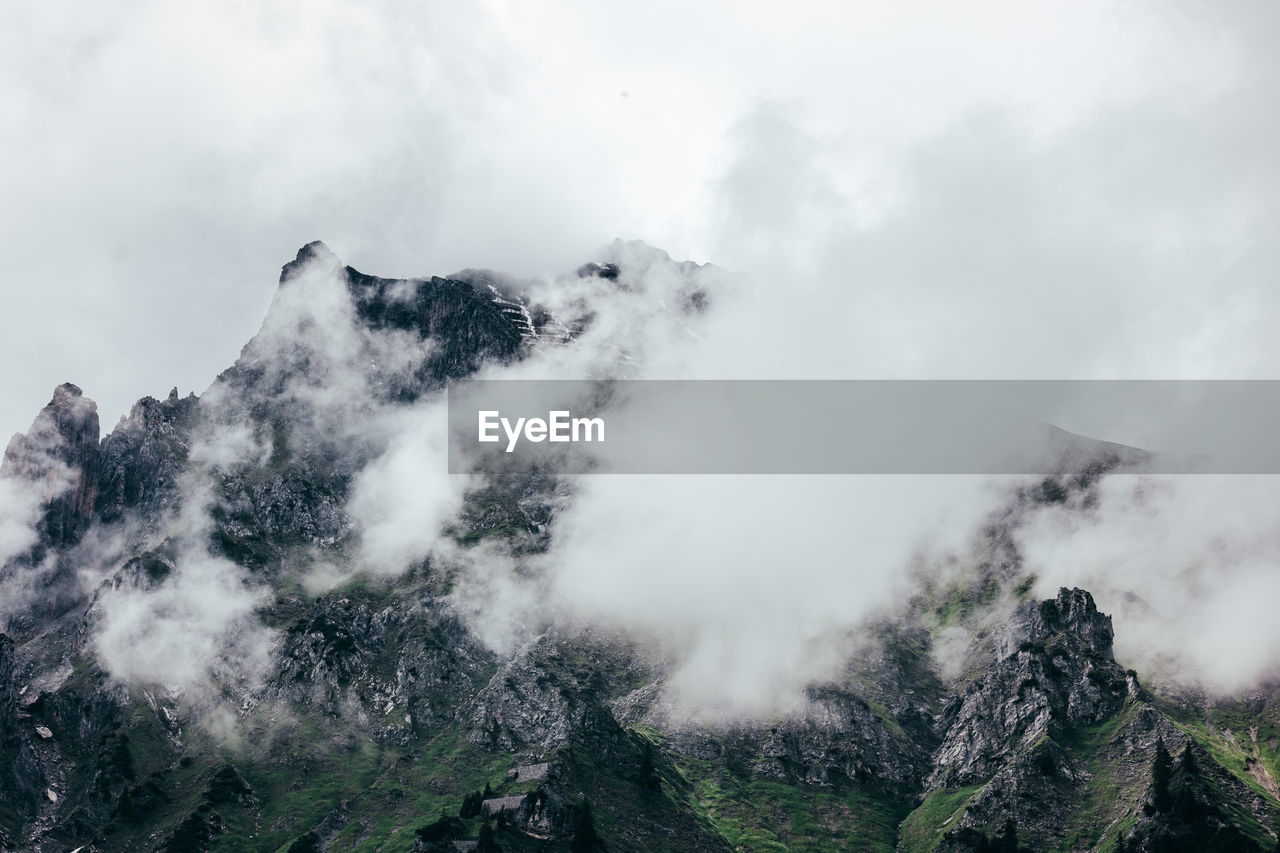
<point>1187,566</point>
<point>191,627</point>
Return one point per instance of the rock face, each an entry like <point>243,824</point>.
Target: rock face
<point>1054,671</point>
<point>337,351</point>
<point>143,456</point>
<point>543,699</point>
<point>874,731</point>
<point>419,661</point>
<point>838,740</point>
<point>16,780</point>
<point>473,323</point>
<point>60,456</point>
<point>380,719</point>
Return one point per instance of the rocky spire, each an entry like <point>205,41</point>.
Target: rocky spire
<point>314,252</point>
<point>59,455</point>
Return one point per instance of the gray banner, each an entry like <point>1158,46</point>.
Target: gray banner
<point>864,427</point>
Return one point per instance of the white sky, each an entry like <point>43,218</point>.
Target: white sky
<point>989,188</point>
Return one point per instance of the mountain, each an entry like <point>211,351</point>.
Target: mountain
<point>222,631</point>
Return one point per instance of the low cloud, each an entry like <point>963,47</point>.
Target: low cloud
<point>193,628</point>
<point>32,475</point>
<point>21,505</point>
<point>1186,566</point>
<point>402,500</point>
<point>196,629</point>
<point>750,583</point>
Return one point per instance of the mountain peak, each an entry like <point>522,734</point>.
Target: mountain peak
<point>65,390</point>
<point>312,253</point>
<point>1074,610</point>
<point>60,453</point>
<point>70,411</point>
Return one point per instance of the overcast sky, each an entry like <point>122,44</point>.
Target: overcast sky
<point>991,189</point>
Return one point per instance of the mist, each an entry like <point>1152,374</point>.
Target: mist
<point>176,155</point>
<point>1077,191</point>
<point>751,584</point>
<point>1186,565</point>
<point>22,502</point>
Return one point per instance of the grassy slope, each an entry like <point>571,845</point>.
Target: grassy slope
<point>388,792</point>
<point>755,814</point>
<point>1110,802</point>
<point>1111,797</point>
<point>1223,731</point>
<point>305,773</point>
<point>934,817</point>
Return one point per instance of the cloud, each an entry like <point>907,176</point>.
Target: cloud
<point>315,362</point>
<point>751,583</point>
<point>402,500</point>
<point>191,626</point>
<point>1126,246</point>
<point>996,248</point>
<point>32,475</point>
<point>997,245</point>
<point>1187,567</point>
<point>21,505</point>
<point>178,151</point>
<point>197,629</point>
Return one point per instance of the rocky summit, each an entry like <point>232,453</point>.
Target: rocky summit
<point>206,648</point>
